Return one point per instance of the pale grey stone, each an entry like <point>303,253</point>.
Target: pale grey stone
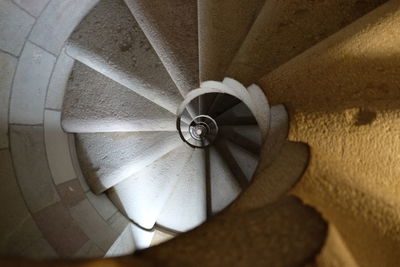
<point>102,204</point>
<point>76,164</point>
<point>30,85</point>
<point>109,158</point>
<point>58,81</point>
<point>8,65</point>
<point>143,195</point>
<point>15,25</point>
<point>110,41</point>
<point>29,156</point>
<point>118,222</point>
<point>124,245</point>
<point>172,28</point>
<point>24,233</point>
<point>33,7</point>
<point>89,250</point>
<point>224,187</point>
<point>161,237</point>
<point>142,238</point>
<point>93,225</point>
<point>40,249</point>
<point>57,22</point>
<point>187,207</point>
<point>57,148</point>
<point>94,103</point>
<point>13,217</point>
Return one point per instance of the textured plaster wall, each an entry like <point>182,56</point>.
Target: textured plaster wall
<point>343,99</point>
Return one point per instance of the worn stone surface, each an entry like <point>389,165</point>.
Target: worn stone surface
<point>57,148</point>
<point>32,170</point>
<point>71,193</point>
<point>186,207</point>
<point>161,237</point>
<point>13,217</point>
<point>171,28</point>
<point>342,96</point>
<point>8,65</point>
<point>124,245</point>
<point>30,85</point>
<point>33,7</point>
<point>57,22</point>
<point>223,26</point>
<point>89,250</point>
<point>143,195</point>
<point>110,41</point>
<point>87,217</point>
<point>286,233</point>
<point>39,250</point>
<point>15,25</point>
<point>60,229</point>
<point>94,103</point>
<point>224,187</point>
<point>58,81</point>
<point>102,204</point>
<point>285,29</point>
<point>109,158</point>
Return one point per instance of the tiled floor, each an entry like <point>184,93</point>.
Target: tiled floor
<point>51,215</point>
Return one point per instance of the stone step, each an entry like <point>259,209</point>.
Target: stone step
<point>223,184</point>
<point>284,29</point>
<point>187,208</point>
<point>142,196</point>
<point>108,158</point>
<point>171,27</point>
<point>94,103</point>
<point>223,25</point>
<point>240,114</point>
<point>247,136</point>
<point>110,41</point>
<point>242,162</point>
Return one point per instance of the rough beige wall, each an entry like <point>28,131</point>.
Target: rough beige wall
<point>343,98</point>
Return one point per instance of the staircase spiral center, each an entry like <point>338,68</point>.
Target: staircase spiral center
<point>203,130</point>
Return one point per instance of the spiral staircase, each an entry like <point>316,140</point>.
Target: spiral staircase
<point>132,122</point>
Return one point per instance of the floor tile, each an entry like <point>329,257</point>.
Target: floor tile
<point>71,193</point>
<point>89,250</point>
<point>30,85</point>
<point>60,229</point>
<point>58,81</point>
<point>33,7</point>
<point>93,225</point>
<point>57,22</point>
<point>102,204</point>
<point>40,249</point>
<point>15,25</point>
<point>57,148</point>
<point>33,174</point>
<point>8,65</point>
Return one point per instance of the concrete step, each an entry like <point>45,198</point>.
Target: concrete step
<point>94,103</point>
<point>186,208</point>
<point>171,27</point>
<point>142,196</point>
<point>110,41</point>
<point>223,184</point>
<point>108,158</point>
<point>223,25</point>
